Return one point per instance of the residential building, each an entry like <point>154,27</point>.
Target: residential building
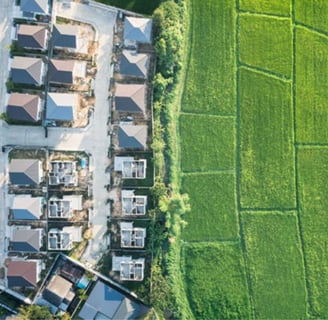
<point>134,64</point>
<point>26,207</point>
<point>132,237</point>
<point>27,70</point>
<point>130,168</point>
<point>32,36</point>
<point>133,205</point>
<point>24,107</point>
<point>66,71</point>
<point>64,208</point>
<point>34,6</point>
<point>25,171</point>
<point>25,239</point>
<point>132,136</point>
<point>23,273</point>
<point>137,30</point>
<point>63,172</point>
<point>61,106</point>
<point>129,269</point>
<point>62,239</point>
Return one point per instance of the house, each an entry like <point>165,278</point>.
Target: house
<point>59,292</point>
<point>27,70</point>
<point>26,207</point>
<point>25,171</point>
<point>32,36</point>
<point>130,98</point>
<point>66,71</point>
<point>63,208</point>
<point>26,239</point>
<point>132,237</point>
<point>137,30</point>
<point>63,239</point>
<point>134,64</point>
<point>129,269</point>
<point>130,168</point>
<point>133,205</point>
<point>63,172</point>
<point>132,137</point>
<point>35,6</point>
<point>105,302</point>
<point>23,273</point>
<point>61,106</point>
<point>24,107</point>
<point>70,37</point>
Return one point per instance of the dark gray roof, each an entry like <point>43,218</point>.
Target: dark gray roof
<point>132,137</point>
<point>130,98</point>
<point>32,36</point>
<point>137,29</point>
<point>26,70</point>
<point>24,171</point>
<point>104,302</point>
<point>61,71</point>
<point>60,106</point>
<point>36,6</point>
<point>65,36</point>
<point>23,107</point>
<point>27,240</point>
<point>134,64</point>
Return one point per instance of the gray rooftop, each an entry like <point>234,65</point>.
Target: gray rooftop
<point>61,71</point>
<point>61,106</point>
<point>27,240</point>
<point>27,70</point>
<point>137,29</point>
<point>65,36</point>
<point>134,64</point>
<point>132,137</point>
<point>25,207</point>
<point>35,6</point>
<point>23,107</point>
<point>130,98</point>
<point>25,171</point>
<point>32,36</point>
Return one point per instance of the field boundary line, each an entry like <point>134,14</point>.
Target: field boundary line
<point>297,195</point>
<point>305,145</point>
<point>217,115</point>
<point>231,242</point>
<point>265,72</point>
<point>263,14</point>
<point>238,173</point>
<point>208,172</point>
<point>244,209</point>
<point>319,32</point>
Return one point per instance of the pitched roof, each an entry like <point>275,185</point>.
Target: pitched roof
<point>32,36</point>
<point>61,106</point>
<point>23,106</point>
<point>132,137</point>
<point>61,71</point>
<point>22,273</point>
<point>24,171</point>
<point>134,64</point>
<point>36,6</point>
<point>27,240</point>
<point>130,97</point>
<point>57,290</point>
<point>65,36</point>
<point>26,208</point>
<point>27,70</point>
<point>137,29</point>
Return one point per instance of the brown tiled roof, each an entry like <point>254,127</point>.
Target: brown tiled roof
<point>32,36</point>
<point>130,98</point>
<point>22,106</point>
<point>22,273</point>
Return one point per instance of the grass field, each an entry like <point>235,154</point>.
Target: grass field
<point>278,7</point>
<point>213,272</point>
<point>313,190</point>
<point>276,265</point>
<point>207,91</point>
<point>215,134</point>
<point>311,86</point>
<point>312,13</point>
<point>141,6</point>
<point>266,146</point>
<point>266,42</point>
<point>213,202</point>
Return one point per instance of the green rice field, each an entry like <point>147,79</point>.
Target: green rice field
<point>253,132</point>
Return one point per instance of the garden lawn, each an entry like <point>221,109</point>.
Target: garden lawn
<point>207,142</point>
<point>210,86</point>
<point>278,7</point>
<point>215,281</point>
<point>267,178</point>
<point>311,86</point>
<point>313,190</point>
<point>213,214</point>
<point>266,42</point>
<point>313,13</point>
<point>276,265</point>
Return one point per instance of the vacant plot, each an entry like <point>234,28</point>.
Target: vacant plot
<point>140,6</point>
<point>276,265</point>
<point>266,42</point>
<point>311,86</point>
<point>278,7</point>
<point>313,190</point>
<point>313,13</point>
<point>213,213</point>
<point>266,142</point>
<point>214,135</point>
<point>215,281</point>
<point>211,86</point>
